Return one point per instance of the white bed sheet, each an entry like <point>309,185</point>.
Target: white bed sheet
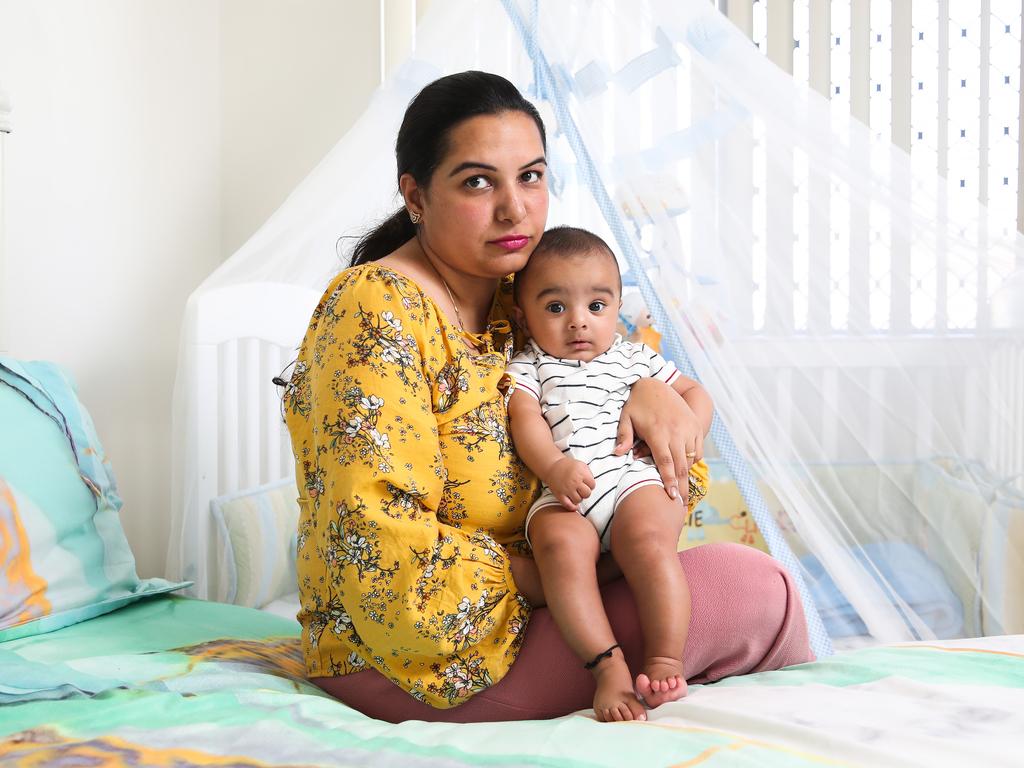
<point>286,607</point>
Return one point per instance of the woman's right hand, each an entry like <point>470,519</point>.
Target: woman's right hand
<point>527,579</point>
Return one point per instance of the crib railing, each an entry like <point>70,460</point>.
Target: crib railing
<point>932,386</point>
<point>242,442</point>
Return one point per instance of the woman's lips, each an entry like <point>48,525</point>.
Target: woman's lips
<point>512,242</point>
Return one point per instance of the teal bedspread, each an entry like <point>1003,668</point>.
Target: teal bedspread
<point>173,681</point>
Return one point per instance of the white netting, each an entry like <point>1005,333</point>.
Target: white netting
<point>863,339</point>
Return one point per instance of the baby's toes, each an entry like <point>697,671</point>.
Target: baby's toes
<point>636,710</point>
<point>644,686</point>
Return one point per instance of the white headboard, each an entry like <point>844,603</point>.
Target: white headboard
<point>237,338</point>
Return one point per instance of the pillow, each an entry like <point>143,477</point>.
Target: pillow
<point>898,565</point>
<point>722,515</point>
<point>258,531</point>
<point>64,557</point>
<point>975,529</point>
<point>1002,564</point>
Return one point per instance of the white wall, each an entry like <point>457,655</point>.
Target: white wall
<point>151,139</point>
<point>113,213</point>
<point>295,76</point>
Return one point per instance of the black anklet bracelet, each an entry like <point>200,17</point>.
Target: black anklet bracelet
<point>600,657</point>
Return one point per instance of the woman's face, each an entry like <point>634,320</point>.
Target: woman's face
<point>486,205</point>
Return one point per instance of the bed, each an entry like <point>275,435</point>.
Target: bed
<point>138,673</point>
<point>144,675</point>
<point>178,681</point>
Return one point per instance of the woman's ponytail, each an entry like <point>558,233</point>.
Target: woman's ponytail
<point>392,233</point>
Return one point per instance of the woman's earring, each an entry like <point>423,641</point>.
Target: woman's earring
<point>414,217</point>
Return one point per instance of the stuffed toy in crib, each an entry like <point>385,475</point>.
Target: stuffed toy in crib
<point>636,323</point>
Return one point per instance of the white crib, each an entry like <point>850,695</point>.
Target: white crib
<point>236,340</point>
<point>241,336</point>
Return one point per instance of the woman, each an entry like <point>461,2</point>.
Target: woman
<point>419,599</point>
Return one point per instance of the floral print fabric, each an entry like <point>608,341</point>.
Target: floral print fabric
<point>411,494</point>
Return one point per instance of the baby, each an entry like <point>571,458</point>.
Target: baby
<point>570,384</point>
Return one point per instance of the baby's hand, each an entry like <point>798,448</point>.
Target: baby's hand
<point>570,481</point>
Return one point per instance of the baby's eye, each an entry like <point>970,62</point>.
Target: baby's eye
<point>477,182</point>
<point>555,308</point>
<point>532,176</point>
<point>597,306</point>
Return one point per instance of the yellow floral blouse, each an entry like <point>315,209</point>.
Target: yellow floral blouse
<point>411,495</point>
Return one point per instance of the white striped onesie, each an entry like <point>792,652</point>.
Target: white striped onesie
<point>581,402</point>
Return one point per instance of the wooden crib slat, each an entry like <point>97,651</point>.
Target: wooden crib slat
<point>1015,438</point>
<point>1000,367</point>
<point>831,412</point>
<point>877,418</point>
<point>779,223</point>
<point>974,423</point>
<point>206,376</point>
<point>249,403</point>
<point>270,409</point>
<point>229,428</point>
<point>784,401</point>
<point>778,237</point>
<point>923,380</point>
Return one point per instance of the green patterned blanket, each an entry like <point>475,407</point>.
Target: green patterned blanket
<point>173,681</point>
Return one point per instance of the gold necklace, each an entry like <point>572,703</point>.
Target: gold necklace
<point>451,297</point>
<point>455,305</point>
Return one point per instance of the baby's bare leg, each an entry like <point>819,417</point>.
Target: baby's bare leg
<point>643,541</point>
<point>566,548</point>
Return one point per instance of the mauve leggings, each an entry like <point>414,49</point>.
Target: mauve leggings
<point>746,616</point>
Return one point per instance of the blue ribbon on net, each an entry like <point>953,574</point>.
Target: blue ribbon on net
<point>554,87</point>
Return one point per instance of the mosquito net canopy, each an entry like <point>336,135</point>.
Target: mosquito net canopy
<point>863,340</point>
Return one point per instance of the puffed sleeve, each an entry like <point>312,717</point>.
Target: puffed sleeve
<point>522,371</point>
<point>431,606</point>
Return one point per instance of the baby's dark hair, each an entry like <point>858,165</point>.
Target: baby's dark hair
<point>560,242</point>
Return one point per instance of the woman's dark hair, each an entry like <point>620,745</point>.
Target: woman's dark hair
<point>423,142</point>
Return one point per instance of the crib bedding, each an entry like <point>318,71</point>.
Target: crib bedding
<point>174,681</point>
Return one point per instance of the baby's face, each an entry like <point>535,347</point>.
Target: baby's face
<point>570,305</point>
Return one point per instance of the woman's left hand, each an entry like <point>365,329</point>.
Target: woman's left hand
<point>656,414</point>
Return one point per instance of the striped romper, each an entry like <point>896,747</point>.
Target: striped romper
<point>581,402</point>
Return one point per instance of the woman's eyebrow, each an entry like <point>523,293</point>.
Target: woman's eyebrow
<point>470,164</point>
<point>474,164</point>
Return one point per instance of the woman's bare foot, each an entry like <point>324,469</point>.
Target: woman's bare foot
<point>662,680</point>
<point>615,699</point>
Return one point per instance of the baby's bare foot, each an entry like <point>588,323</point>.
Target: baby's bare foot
<point>662,680</point>
<point>615,699</point>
